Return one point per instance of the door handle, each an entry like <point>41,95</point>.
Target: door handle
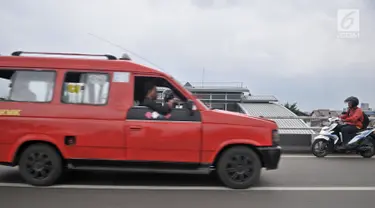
<point>135,128</point>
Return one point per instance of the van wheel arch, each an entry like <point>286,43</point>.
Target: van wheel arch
<point>252,147</point>
<point>27,144</point>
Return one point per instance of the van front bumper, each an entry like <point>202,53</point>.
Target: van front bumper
<point>270,157</point>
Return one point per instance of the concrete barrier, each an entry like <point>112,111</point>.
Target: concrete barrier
<point>295,143</point>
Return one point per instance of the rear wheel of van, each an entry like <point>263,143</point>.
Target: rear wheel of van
<point>40,165</point>
<point>239,168</point>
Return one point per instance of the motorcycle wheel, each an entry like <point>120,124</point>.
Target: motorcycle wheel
<point>370,152</point>
<point>320,148</point>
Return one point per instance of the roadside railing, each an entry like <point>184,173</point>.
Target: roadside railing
<point>319,121</point>
<point>303,117</point>
<point>293,143</point>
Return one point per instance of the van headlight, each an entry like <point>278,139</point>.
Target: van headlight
<point>275,138</point>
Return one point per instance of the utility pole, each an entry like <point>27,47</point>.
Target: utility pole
<point>203,77</point>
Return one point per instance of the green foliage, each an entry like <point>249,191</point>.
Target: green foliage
<point>294,108</point>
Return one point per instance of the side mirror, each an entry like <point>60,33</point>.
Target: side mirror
<point>189,106</point>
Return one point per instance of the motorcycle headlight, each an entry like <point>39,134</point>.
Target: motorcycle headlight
<point>275,138</point>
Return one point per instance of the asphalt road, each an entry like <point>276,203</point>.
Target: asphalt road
<point>299,182</point>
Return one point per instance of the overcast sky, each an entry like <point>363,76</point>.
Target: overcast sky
<point>286,48</point>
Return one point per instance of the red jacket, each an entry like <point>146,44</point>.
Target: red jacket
<point>354,117</point>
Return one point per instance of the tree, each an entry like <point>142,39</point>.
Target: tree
<point>294,108</point>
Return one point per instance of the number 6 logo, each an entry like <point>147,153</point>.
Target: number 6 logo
<point>347,21</point>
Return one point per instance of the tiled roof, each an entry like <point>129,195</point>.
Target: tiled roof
<point>276,110</point>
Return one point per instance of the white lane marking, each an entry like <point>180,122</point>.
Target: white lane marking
<point>328,156</point>
<point>194,188</point>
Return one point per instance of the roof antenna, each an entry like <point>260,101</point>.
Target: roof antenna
<point>125,56</point>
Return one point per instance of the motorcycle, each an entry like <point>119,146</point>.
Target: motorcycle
<point>329,140</point>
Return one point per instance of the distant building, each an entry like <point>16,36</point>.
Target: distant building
<point>268,107</point>
<point>365,106</point>
<point>222,95</point>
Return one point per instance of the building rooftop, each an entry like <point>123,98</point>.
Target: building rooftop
<point>259,98</point>
<point>231,87</point>
<point>277,110</point>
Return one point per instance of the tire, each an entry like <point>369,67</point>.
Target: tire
<point>40,165</point>
<point>239,168</point>
<point>368,153</point>
<point>323,152</point>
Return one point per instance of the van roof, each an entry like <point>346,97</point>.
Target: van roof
<point>75,63</point>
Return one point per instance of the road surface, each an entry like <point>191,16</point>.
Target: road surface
<point>301,181</point>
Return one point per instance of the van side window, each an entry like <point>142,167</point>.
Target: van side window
<point>165,91</point>
<point>85,88</point>
<point>26,85</point>
<point>162,86</point>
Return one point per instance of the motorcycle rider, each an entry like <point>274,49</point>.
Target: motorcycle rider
<point>353,119</point>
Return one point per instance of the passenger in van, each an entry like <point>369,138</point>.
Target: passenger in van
<point>150,100</point>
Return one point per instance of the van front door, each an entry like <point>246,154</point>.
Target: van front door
<point>156,138</point>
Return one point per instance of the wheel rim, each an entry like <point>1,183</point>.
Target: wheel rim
<point>240,168</point>
<point>321,147</point>
<point>38,165</point>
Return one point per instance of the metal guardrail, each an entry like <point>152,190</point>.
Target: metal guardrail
<point>303,117</point>
<point>314,128</point>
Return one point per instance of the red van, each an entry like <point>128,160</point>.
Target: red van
<point>82,113</point>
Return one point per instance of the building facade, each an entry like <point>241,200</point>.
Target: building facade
<point>224,97</point>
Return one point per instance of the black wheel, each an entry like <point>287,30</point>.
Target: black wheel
<point>239,168</point>
<point>369,152</point>
<point>320,148</point>
<point>40,165</point>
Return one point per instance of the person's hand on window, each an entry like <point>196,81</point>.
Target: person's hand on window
<point>173,101</point>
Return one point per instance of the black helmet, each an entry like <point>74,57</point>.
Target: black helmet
<point>353,100</point>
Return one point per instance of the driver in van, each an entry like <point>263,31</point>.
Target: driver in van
<point>151,96</point>
<point>353,119</point>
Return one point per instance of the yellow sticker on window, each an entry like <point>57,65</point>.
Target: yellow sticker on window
<point>10,112</point>
<point>73,88</point>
